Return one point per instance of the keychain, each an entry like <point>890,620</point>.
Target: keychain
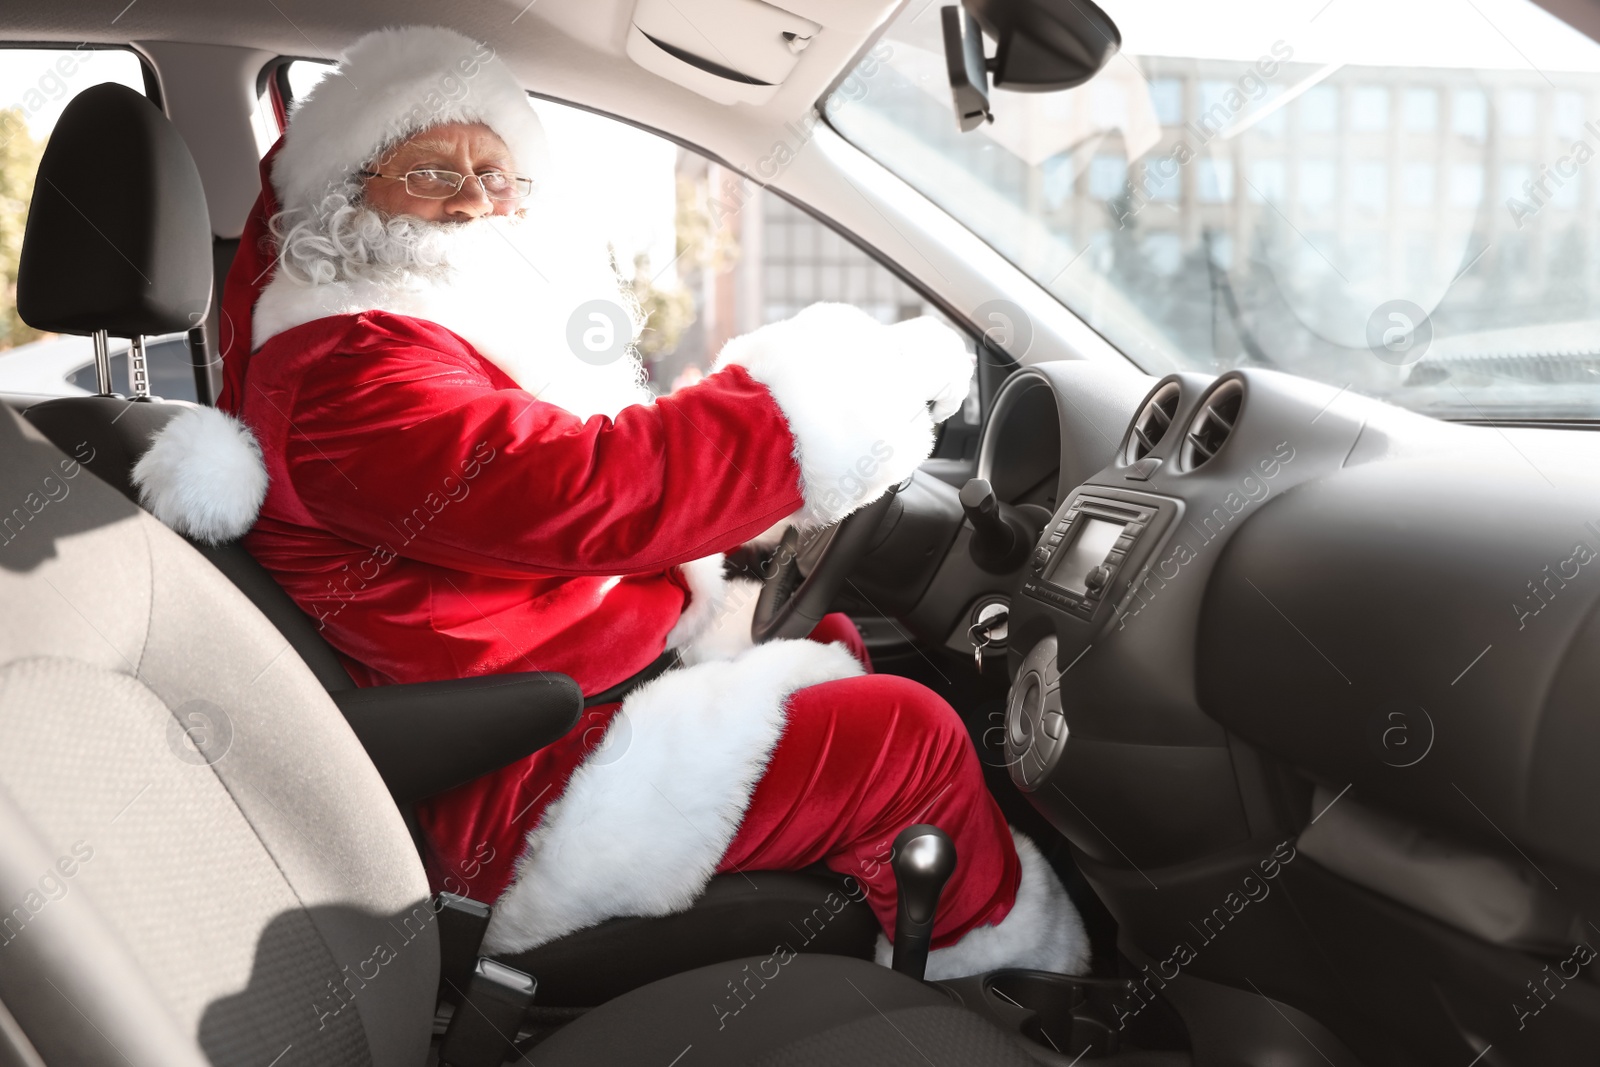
<point>981,633</point>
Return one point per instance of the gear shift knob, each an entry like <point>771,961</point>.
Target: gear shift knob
<point>924,859</point>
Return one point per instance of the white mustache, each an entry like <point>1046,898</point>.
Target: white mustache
<point>512,286</point>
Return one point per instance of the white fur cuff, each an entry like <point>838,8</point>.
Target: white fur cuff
<point>861,398</point>
<point>644,822</point>
<point>1042,930</point>
<point>203,476</point>
<point>708,598</point>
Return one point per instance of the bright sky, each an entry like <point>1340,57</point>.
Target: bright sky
<point>42,81</point>
<point>622,178</point>
<point>1486,34</point>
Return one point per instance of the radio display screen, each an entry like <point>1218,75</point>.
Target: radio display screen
<point>1088,548</point>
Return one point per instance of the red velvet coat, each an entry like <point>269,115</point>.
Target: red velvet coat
<point>439,522</point>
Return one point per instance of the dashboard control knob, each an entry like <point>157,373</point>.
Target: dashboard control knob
<point>1041,556</point>
<point>1097,578</point>
<point>1025,714</point>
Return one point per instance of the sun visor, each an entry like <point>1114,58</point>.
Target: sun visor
<point>732,51</point>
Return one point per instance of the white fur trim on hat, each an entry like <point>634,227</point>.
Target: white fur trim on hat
<point>1042,930</point>
<point>203,476</point>
<point>389,85</point>
<point>861,398</point>
<point>644,822</point>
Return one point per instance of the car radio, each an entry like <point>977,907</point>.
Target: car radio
<point>1083,550</point>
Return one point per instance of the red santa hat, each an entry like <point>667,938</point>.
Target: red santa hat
<point>392,84</point>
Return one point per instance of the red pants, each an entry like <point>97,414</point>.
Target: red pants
<point>859,760</point>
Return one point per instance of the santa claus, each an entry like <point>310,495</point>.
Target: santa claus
<point>417,447</point>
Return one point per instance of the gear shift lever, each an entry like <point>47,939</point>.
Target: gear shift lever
<point>1000,540</point>
<point>924,858</point>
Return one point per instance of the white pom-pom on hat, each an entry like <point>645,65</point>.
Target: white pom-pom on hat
<point>203,476</point>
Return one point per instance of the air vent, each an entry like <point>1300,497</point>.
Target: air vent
<point>1212,423</point>
<point>1151,424</point>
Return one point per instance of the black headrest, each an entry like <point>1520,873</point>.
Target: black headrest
<point>118,235</point>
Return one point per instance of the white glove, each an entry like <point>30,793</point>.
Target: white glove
<point>861,398</point>
<point>938,364</point>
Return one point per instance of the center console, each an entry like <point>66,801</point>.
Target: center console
<point>1114,730</point>
<point>1084,551</point>
<point>1068,1019</point>
<point>1083,572</point>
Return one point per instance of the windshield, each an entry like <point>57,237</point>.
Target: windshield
<point>1390,196</point>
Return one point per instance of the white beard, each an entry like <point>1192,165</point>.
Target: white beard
<point>508,286</point>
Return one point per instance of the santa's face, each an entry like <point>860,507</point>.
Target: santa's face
<point>518,284</point>
<point>455,147</point>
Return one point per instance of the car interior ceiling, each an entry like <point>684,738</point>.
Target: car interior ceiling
<point>1228,702</point>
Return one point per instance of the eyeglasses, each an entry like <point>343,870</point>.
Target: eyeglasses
<point>443,184</point>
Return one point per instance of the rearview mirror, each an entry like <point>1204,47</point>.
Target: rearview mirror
<point>1041,46</point>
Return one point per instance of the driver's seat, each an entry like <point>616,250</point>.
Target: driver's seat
<point>150,281</point>
<point>247,896</point>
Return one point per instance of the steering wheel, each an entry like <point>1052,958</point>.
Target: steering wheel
<point>804,573</point>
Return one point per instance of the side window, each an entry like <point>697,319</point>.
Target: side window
<point>709,254</point>
<point>36,84</point>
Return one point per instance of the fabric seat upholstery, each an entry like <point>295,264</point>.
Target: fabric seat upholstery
<point>771,1010</point>
<point>212,807</point>
<point>738,915</point>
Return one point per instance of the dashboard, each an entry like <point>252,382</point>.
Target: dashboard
<point>1263,609</point>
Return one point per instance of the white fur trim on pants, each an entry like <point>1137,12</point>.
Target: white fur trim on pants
<point>647,817</point>
<point>203,476</point>
<point>1042,931</point>
<point>861,398</point>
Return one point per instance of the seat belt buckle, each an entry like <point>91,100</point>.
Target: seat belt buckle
<point>462,922</point>
<point>483,1030</point>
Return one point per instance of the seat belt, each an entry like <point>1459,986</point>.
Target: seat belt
<point>490,998</point>
<point>658,666</point>
<point>462,923</point>
<point>483,1030</point>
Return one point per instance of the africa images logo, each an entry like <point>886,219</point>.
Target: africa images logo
<point>1399,332</point>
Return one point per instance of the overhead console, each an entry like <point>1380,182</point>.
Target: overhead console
<point>740,51</point>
